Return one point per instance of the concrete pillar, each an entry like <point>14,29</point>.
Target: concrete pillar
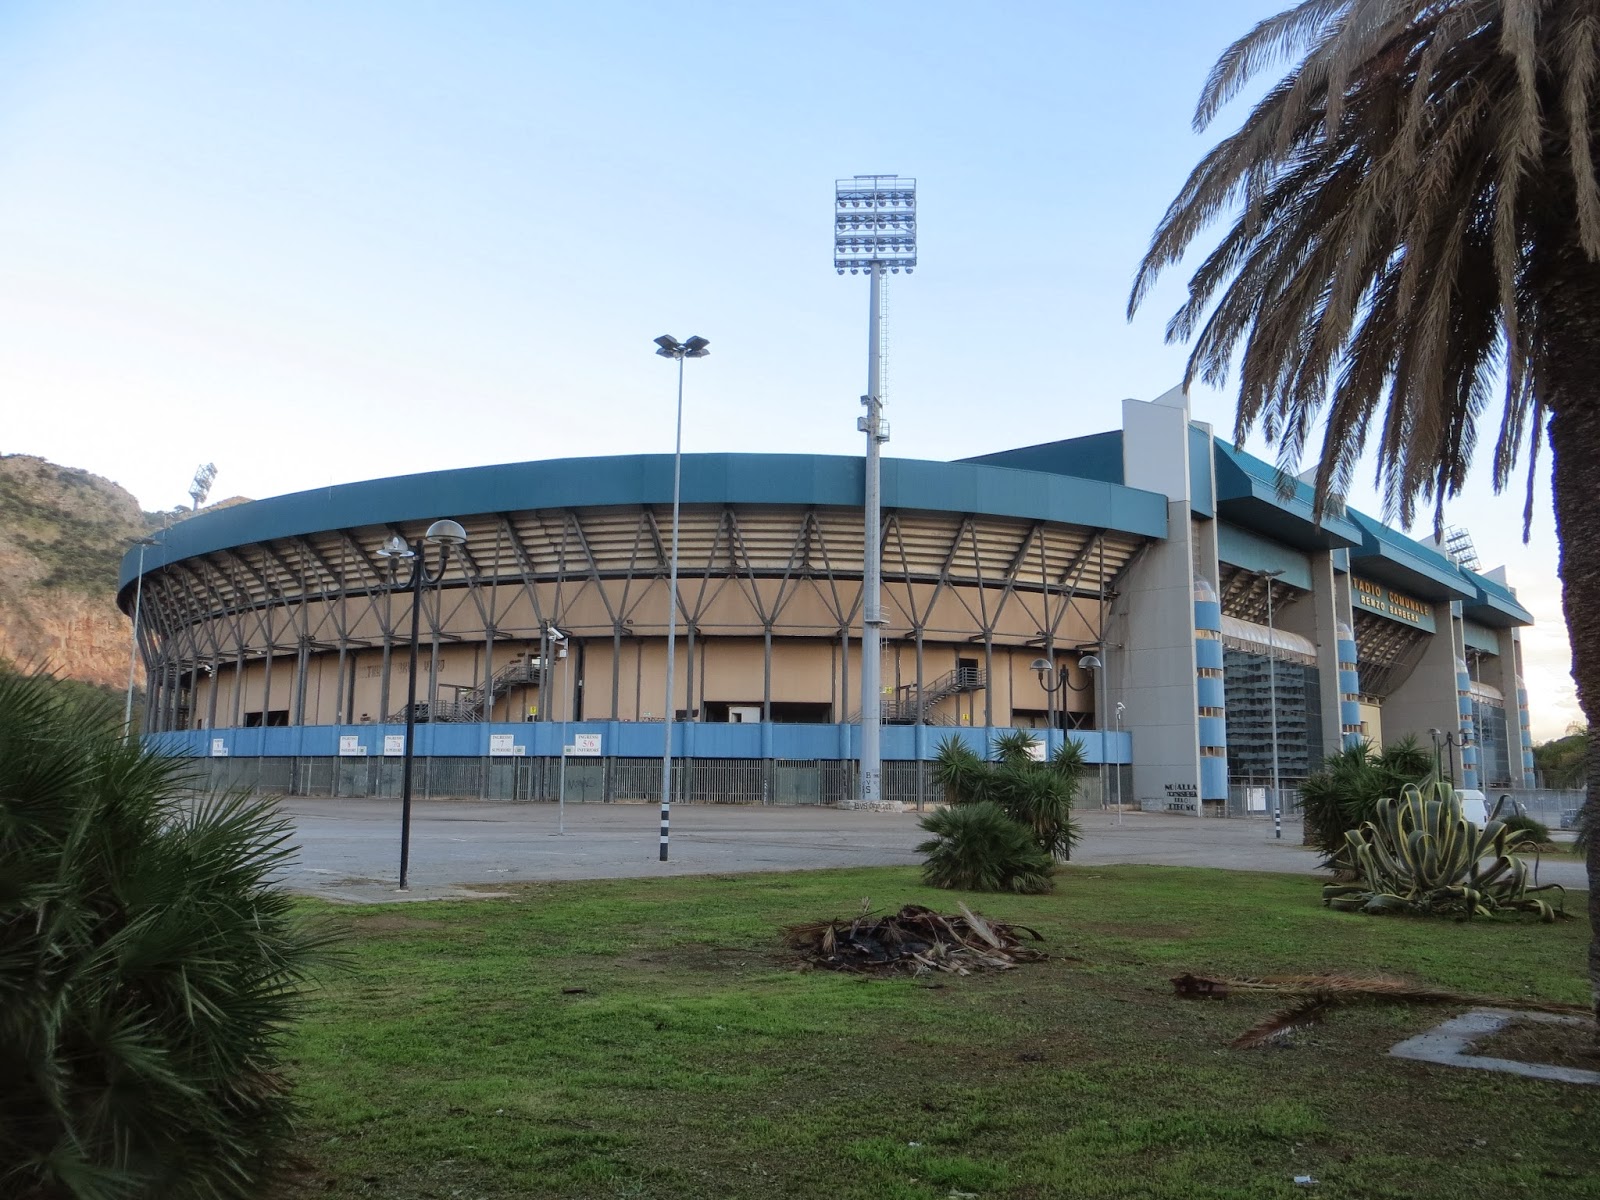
<point>1428,699</point>
<point>1152,619</point>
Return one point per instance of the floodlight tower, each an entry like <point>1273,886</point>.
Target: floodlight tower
<point>201,487</point>
<point>874,229</point>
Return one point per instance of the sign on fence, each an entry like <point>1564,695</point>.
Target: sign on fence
<point>219,748</point>
<point>350,746</point>
<point>504,745</point>
<point>584,745</point>
<point>394,745</point>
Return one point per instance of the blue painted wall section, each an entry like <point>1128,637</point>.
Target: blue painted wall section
<point>1349,690</point>
<point>626,739</point>
<point>1209,699</point>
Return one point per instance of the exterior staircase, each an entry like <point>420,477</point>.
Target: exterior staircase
<point>910,705</point>
<point>471,704</point>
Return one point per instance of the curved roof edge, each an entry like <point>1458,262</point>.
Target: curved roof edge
<point>782,479</point>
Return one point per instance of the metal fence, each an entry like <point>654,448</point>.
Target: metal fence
<point>1556,807</point>
<point>602,780</point>
<point>1253,798</point>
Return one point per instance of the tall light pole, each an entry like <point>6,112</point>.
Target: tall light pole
<point>874,229</point>
<point>443,534</point>
<point>670,347</point>
<point>1272,703</point>
<point>558,645</point>
<point>133,654</point>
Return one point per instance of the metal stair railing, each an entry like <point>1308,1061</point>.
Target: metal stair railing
<point>470,703</point>
<point>911,706</point>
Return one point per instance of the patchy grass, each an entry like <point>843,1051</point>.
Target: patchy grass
<point>697,1063</point>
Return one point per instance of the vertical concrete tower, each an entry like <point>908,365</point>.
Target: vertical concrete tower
<point>1210,703</point>
<point>1469,741</point>
<point>1527,734</point>
<point>1349,688</point>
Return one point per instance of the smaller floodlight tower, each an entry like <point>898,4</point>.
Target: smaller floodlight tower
<point>201,487</point>
<point>874,229</point>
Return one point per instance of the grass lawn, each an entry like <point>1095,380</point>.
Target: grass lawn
<point>696,1062</point>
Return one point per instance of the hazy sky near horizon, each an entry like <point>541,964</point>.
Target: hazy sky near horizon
<point>320,242</point>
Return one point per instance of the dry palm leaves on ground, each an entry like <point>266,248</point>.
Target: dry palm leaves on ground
<point>913,941</point>
<point>1316,995</point>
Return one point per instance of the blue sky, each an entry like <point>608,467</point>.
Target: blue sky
<point>316,242</point>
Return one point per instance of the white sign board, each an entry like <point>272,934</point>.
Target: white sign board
<point>502,745</point>
<point>350,746</point>
<point>219,748</point>
<point>394,745</point>
<point>1036,751</point>
<point>584,745</point>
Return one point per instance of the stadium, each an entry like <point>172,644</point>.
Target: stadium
<point>1193,619</point>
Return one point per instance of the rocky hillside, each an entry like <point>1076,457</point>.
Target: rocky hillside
<point>62,536</point>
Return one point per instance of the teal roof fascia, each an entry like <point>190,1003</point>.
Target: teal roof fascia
<point>753,479</point>
<point>1201,499</point>
<point>1093,456</point>
<point>1388,556</point>
<point>1494,604</point>
<point>1479,637</point>
<point>1248,493</point>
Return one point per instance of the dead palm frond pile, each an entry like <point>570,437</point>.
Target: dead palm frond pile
<point>914,941</point>
<point>1317,995</point>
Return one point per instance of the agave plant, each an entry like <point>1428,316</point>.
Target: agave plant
<point>148,967</point>
<point>1420,854</point>
<point>976,847</point>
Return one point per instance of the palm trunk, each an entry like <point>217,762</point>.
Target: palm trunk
<point>1575,444</point>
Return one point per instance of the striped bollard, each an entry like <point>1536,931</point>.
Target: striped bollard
<point>666,814</point>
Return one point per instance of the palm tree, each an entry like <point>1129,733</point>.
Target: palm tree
<point>1414,239</point>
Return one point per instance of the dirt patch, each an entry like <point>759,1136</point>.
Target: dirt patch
<point>1543,1042</point>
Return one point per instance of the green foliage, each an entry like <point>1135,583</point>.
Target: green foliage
<point>147,966</point>
<point>1528,828</point>
<point>1564,761</point>
<point>1345,793</point>
<point>1421,855</point>
<point>1037,795</point>
<point>977,847</point>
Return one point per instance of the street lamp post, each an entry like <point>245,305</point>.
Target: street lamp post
<point>443,534</point>
<point>1272,703</point>
<point>670,347</point>
<point>874,229</point>
<point>1441,739</point>
<point>133,654</point>
<point>558,643</point>
<point>1044,668</point>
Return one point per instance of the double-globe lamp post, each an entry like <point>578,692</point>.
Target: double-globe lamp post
<point>1045,669</point>
<point>670,347</point>
<point>443,534</point>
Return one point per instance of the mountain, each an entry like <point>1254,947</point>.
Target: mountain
<point>62,535</point>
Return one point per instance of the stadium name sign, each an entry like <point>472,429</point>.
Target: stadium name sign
<point>1397,606</point>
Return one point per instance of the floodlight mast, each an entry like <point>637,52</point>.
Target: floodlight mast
<point>874,228</point>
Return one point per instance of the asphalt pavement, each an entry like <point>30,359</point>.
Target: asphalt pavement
<point>349,848</point>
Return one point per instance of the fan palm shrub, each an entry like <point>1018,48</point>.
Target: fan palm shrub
<point>148,967</point>
<point>1036,796</point>
<point>977,847</point>
<point>1412,251</point>
<point>1345,793</point>
<point>1421,855</point>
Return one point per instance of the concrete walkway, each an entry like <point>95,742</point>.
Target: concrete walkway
<point>349,849</point>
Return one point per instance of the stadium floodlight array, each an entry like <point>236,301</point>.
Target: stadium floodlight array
<point>875,221</point>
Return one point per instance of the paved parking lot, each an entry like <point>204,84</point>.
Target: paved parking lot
<point>349,849</point>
